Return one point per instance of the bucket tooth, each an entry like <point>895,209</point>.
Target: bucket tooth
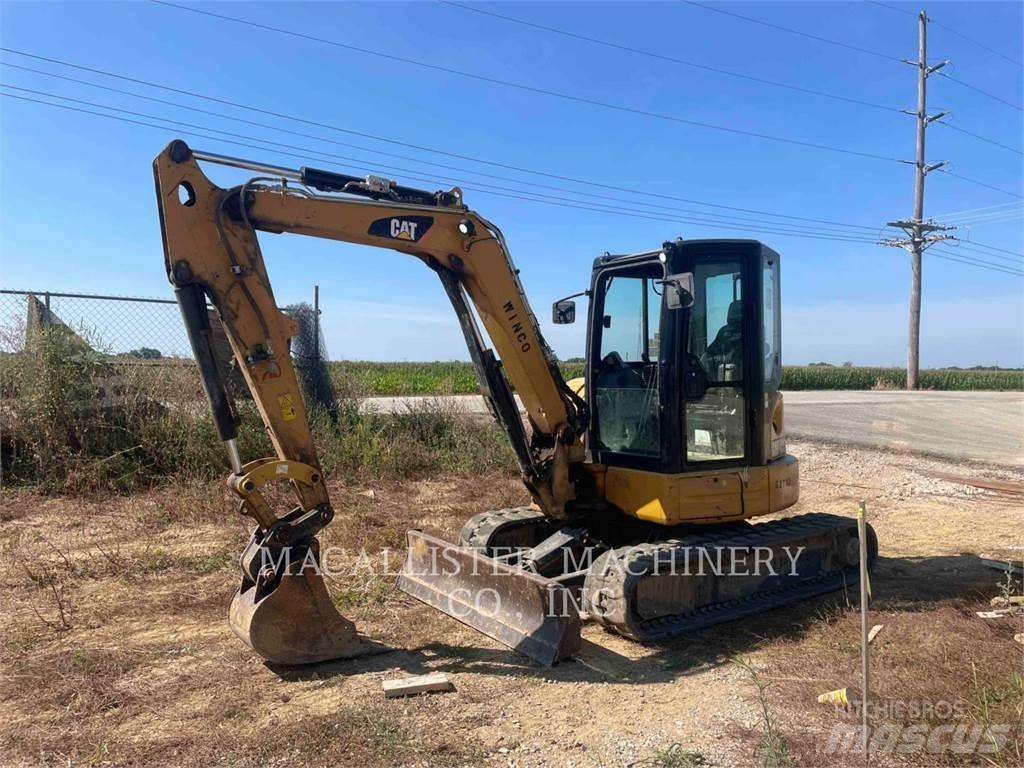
<point>530,614</point>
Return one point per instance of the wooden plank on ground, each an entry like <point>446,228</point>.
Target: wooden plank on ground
<point>409,686</point>
<point>988,483</point>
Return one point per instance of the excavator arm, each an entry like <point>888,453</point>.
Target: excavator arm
<point>212,254</point>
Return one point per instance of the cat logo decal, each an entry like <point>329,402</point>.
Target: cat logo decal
<point>411,228</point>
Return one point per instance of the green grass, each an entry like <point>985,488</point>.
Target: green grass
<point>409,379</point>
<point>457,378</point>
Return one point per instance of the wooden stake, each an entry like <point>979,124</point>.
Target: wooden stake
<point>862,534</point>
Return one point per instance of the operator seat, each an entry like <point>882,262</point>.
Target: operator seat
<point>727,348</point>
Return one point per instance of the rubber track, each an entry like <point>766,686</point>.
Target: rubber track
<point>620,584</point>
<point>479,531</point>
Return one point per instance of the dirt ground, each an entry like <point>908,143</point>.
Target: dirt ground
<point>116,649</point>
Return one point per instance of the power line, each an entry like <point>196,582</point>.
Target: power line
<point>663,57</point>
<point>961,34</point>
<point>980,45</point>
<point>989,210</point>
<point>482,188</point>
<point>984,221</point>
<point>979,183</point>
<point>718,9</point>
<point>979,246</point>
<point>838,43</point>
<point>948,28</point>
<point>533,89</point>
<point>1007,216</point>
<point>376,137</point>
<point>980,137</point>
<point>894,8</point>
<point>571,97</point>
<point>959,244</point>
<point>980,264</point>
<point>730,73</point>
<point>617,211</point>
<point>971,87</point>
<point>232,118</point>
<point>409,173</point>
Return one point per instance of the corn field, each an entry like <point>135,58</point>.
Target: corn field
<point>457,378</point>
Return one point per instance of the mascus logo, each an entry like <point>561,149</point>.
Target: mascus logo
<point>410,228</point>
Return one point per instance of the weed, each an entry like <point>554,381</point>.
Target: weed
<point>207,563</point>
<point>48,580</point>
<point>373,591</point>
<point>49,576</point>
<point>773,750</point>
<point>1008,586</point>
<point>998,700</point>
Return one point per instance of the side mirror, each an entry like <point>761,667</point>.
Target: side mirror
<point>563,312</point>
<point>679,290</point>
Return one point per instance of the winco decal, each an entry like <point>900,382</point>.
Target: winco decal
<point>517,327</point>
<point>402,228</point>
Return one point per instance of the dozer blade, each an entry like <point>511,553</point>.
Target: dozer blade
<point>294,622</point>
<point>530,614</point>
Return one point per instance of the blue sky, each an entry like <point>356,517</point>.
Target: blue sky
<point>78,212</point>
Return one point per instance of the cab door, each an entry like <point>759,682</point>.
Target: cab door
<point>717,342</point>
<point>625,371</point>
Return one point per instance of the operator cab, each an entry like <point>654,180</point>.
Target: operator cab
<point>684,357</point>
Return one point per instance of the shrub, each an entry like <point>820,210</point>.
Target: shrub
<point>424,439</point>
<point>75,421</point>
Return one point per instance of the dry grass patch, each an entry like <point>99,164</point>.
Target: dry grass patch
<point>934,667</point>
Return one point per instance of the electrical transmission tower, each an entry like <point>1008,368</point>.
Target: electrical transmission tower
<point>920,233</point>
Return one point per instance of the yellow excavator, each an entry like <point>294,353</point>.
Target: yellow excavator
<point>643,474</point>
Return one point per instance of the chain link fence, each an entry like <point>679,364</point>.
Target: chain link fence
<point>130,330</point>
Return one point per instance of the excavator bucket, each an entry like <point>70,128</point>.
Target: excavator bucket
<point>294,622</point>
<point>530,614</point>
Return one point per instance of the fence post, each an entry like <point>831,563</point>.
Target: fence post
<point>46,303</point>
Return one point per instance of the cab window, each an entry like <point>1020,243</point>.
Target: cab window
<point>715,424</point>
<point>626,375</point>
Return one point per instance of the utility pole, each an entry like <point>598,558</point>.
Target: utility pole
<point>920,233</point>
